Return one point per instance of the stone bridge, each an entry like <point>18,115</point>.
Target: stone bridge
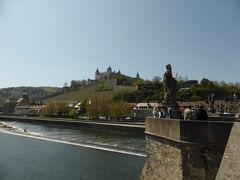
<point>178,149</point>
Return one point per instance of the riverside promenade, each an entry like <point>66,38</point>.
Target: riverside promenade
<point>125,127</point>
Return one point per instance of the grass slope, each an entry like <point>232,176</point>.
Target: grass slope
<point>49,89</point>
<point>88,93</point>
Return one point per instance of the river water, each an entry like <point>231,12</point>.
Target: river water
<point>53,152</point>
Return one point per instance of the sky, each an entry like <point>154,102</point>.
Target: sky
<point>50,42</point>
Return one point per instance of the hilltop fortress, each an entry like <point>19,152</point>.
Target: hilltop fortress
<point>105,75</point>
<point>112,78</point>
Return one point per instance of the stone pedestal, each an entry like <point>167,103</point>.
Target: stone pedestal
<point>176,113</point>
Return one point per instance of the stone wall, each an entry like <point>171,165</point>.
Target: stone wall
<point>163,162</point>
<point>230,164</point>
<point>174,153</point>
<point>173,161</point>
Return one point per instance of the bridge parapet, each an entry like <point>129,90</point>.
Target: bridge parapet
<point>178,149</point>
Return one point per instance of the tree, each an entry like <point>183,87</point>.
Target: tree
<point>62,108</point>
<point>49,110</point>
<point>183,95</point>
<point>207,83</point>
<point>93,110</point>
<point>138,82</point>
<point>119,110</point>
<point>73,114</point>
<point>83,107</point>
<point>65,85</point>
<point>157,79</point>
<point>74,84</point>
<point>106,107</point>
<point>55,109</point>
<point>195,98</point>
<point>204,82</point>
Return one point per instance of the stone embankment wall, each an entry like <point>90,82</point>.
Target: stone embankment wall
<point>186,150</point>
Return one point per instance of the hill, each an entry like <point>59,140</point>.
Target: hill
<point>89,93</point>
<point>35,93</point>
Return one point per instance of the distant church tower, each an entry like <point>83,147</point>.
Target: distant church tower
<point>109,72</point>
<point>97,75</point>
<point>137,76</point>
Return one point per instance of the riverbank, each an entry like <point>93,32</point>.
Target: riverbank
<point>121,127</point>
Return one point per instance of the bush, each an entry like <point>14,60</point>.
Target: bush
<point>73,114</point>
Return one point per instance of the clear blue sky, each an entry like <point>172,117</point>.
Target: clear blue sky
<point>49,42</point>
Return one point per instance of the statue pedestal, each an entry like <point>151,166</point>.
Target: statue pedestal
<point>172,110</point>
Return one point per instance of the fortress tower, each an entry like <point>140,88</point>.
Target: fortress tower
<point>97,75</point>
<point>109,72</point>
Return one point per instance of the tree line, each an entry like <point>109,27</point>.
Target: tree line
<point>95,108</point>
<point>187,91</point>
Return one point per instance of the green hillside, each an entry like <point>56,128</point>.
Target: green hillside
<point>35,93</point>
<point>88,93</point>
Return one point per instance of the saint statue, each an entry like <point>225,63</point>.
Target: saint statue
<point>170,86</point>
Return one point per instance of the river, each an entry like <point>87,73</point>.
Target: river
<point>55,153</point>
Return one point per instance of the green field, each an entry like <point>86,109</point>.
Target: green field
<point>88,93</point>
